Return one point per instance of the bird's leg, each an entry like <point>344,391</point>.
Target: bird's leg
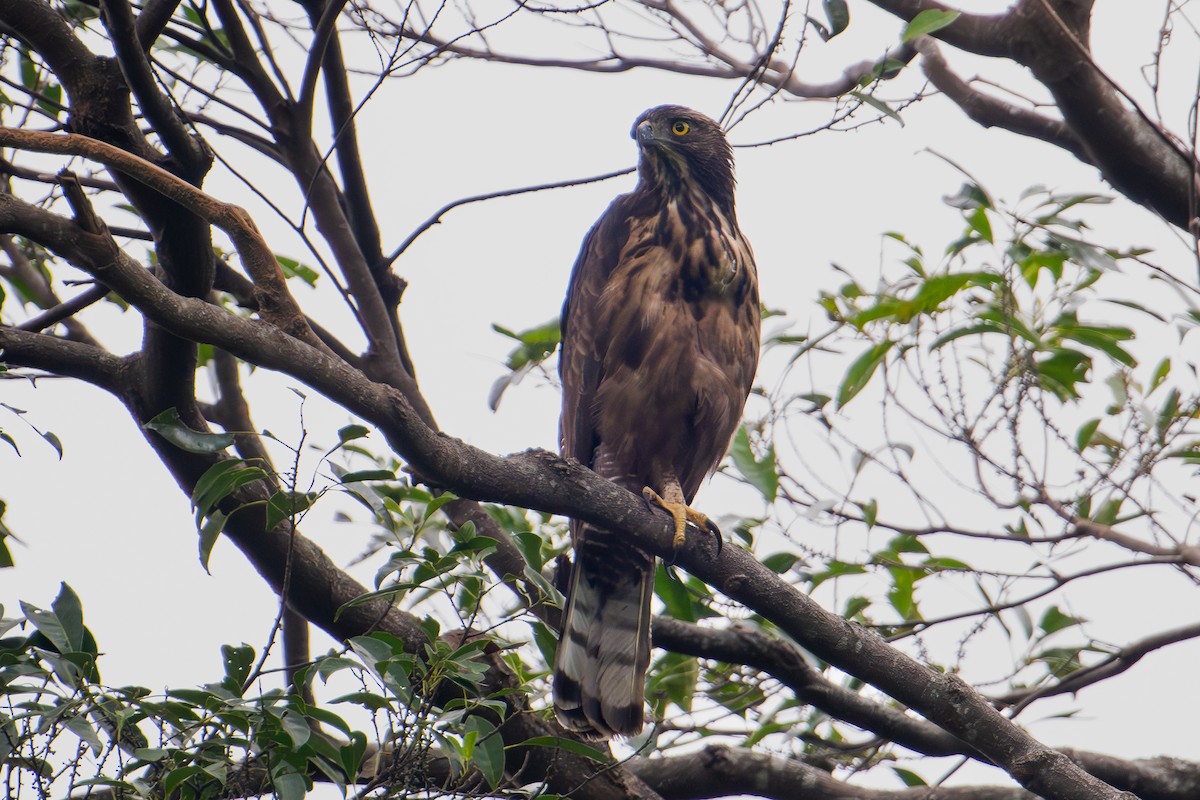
<point>672,501</point>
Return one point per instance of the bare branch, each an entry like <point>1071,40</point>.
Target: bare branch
<point>56,314</point>
<point>61,356</point>
<point>720,771</point>
<point>275,301</point>
<point>436,217</point>
<point>153,18</point>
<point>1114,664</point>
<point>156,106</point>
<point>989,111</point>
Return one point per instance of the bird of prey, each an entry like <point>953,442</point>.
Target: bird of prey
<point>660,339</point>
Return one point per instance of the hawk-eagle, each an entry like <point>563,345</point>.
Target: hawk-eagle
<point>660,338</point>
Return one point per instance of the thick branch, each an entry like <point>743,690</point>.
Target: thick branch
<point>1149,779</point>
<point>349,158</point>
<point>989,111</point>
<point>720,771</point>
<point>63,357</point>
<point>1106,128</point>
<point>984,34</point>
<point>154,17</point>
<point>745,645</point>
<point>154,105</point>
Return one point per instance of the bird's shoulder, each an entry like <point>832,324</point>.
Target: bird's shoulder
<point>601,252</point>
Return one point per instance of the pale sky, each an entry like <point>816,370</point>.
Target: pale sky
<point>108,519</point>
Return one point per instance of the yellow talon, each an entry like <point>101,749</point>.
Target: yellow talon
<point>682,514</point>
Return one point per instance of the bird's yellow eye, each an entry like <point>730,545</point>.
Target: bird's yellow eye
<point>680,127</point>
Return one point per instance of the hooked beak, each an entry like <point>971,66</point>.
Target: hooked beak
<point>644,133</point>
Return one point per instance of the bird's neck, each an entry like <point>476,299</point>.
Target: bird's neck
<point>677,180</point>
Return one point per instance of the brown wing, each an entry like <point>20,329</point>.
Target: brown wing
<point>579,364</point>
<point>600,668</point>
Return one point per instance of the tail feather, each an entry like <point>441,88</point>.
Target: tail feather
<point>600,669</point>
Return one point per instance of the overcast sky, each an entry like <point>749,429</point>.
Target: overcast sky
<point>108,519</point>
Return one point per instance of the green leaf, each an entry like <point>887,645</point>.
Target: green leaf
<point>855,606</point>
<point>352,432</point>
<point>570,745</point>
<point>1102,338</point>
<point>909,777</point>
<point>1054,620</point>
<point>54,441</point>
<point>870,511</point>
<point>1061,661</point>
<point>296,727</point>
<point>838,14</point>
<point>878,105</point>
<point>780,563</point>
<point>970,196</point>
<point>328,666</point>
<point>488,753</point>
<point>289,786</point>
<point>980,224</point>
<point>208,481</point>
<point>221,481</point>
<point>176,777</point>
<point>81,727</point>
<point>351,754</point>
<point>1160,374</point>
<point>150,754</point>
<point>536,343</point>
<point>238,661</point>
<point>928,21</point>
<point>210,531</point>
<point>1167,414</point>
<point>833,570</point>
<point>860,372</point>
<point>169,426</point>
<point>294,269</point>
<point>901,595</point>
<point>29,70</point>
<point>674,679</point>
<point>63,624</point>
<point>69,610</point>
<point>1083,436</point>
<point>1062,371</point>
<point>530,544</point>
<point>674,594</point>
<point>546,641</point>
<point>288,505</point>
<point>760,473</point>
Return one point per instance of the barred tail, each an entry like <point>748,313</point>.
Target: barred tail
<point>600,669</point>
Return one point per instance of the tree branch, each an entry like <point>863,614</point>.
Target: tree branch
<point>989,111</point>
<point>64,357</point>
<point>721,771</point>
<point>153,18</point>
<point>156,106</point>
<point>983,34</point>
<point>1114,664</point>
<point>276,303</point>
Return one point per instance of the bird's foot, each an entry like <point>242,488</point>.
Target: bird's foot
<point>683,514</point>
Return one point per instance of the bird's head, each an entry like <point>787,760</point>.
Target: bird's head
<point>678,144</point>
